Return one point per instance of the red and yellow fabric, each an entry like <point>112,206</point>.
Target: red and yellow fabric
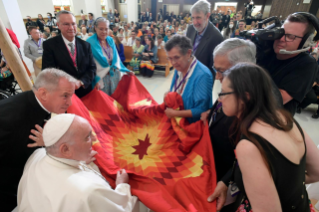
<point>170,162</point>
<point>147,64</point>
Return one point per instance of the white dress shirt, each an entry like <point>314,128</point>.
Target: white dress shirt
<point>67,42</point>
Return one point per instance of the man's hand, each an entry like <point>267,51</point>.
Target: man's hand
<point>97,86</point>
<point>91,158</point>
<point>78,84</point>
<point>36,137</point>
<point>220,194</point>
<point>170,113</point>
<point>121,177</point>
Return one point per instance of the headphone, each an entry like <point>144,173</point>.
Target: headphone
<point>309,38</point>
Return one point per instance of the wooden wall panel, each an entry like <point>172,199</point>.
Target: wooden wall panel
<point>282,8</point>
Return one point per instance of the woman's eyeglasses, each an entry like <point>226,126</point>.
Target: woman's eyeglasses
<point>221,95</point>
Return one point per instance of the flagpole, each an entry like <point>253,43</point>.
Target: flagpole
<point>13,59</point>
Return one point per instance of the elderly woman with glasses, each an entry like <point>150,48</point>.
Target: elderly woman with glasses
<point>192,80</point>
<point>107,59</point>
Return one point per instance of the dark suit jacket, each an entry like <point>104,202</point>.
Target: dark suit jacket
<point>56,55</point>
<point>205,49</point>
<point>226,19</point>
<point>80,23</point>
<point>223,144</point>
<point>19,114</point>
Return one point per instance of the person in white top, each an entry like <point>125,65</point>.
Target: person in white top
<point>61,177</point>
<point>131,40</point>
<point>122,39</point>
<point>127,32</point>
<point>84,34</point>
<point>159,42</point>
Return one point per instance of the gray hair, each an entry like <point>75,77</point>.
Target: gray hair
<point>201,6</point>
<point>99,20</point>
<point>62,12</point>
<point>179,41</point>
<point>49,79</point>
<point>237,50</point>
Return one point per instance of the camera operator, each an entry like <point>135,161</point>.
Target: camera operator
<point>293,71</point>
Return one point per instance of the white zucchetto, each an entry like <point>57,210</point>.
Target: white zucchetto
<point>56,127</point>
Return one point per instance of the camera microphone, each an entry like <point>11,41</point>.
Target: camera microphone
<point>284,51</point>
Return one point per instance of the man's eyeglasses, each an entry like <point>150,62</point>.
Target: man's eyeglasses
<point>217,71</point>
<point>221,95</point>
<point>290,37</point>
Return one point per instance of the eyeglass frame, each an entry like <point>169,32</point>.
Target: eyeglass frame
<point>222,73</point>
<point>221,94</point>
<point>292,39</point>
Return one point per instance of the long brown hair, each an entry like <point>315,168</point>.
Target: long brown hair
<point>117,42</point>
<point>260,103</point>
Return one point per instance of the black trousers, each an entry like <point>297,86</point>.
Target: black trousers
<point>310,98</point>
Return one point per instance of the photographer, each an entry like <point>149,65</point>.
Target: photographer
<point>293,71</point>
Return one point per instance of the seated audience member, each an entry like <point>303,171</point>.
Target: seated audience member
<point>51,22</point>
<point>83,22</point>
<point>162,32</point>
<point>122,40</point>
<point>66,163</point>
<point>27,113</point>
<point>168,35</point>
<point>311,96</point>
<point>273,152</point>
<point>187,18</point>
<point>121,32</point>
<point>229,30</point>
<point>111,33</point>
<point>132,39</point>
<point>138,49</point>
<point>119,47</point>
<point>33,47</point>
<point>53,34</point>
<point>150,34</point>
<point>227,54</point>
<point>144,29</point>
<point>115,30</point>
<point>144,39</point>
<point>159,42</point>
<point>41,22</point>
<point>84,34</point>
<point>149,58</point>
<point>47,29</point>
<point>71,54</point>
<point>106,57</point>
<point>90,23</point>
<point>241,28</point>
<point>192,80</point>
<point>127,32</point>
<point>5,70</point>
<point>156,33</point>
<point>46,35</point>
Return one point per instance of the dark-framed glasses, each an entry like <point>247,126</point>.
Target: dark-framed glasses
<point>290,37</point>
<point>221,94</point>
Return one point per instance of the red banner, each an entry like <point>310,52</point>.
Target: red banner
<point>170,162</point>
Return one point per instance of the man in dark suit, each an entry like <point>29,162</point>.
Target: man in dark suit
<point>222,138</point>
<point>70,54</point>
<point>203,34</point>
<point>22,119</point>
<point>82,22</point>
<point>226,19</point>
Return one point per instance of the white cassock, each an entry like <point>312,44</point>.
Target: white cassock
<point>51,186</point>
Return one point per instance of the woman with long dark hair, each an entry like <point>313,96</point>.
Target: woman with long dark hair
<point>229,30</point>
<point>41,22</point>
<point>149,58</point>
<point>272,151</point>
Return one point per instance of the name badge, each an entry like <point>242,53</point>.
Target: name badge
<point>40,51</point>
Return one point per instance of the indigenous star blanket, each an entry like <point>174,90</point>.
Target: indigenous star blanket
<point>170,162</point>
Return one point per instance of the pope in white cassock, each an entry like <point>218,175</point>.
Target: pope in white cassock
<point>57,179</point>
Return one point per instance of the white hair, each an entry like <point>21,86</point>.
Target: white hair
<point>201,6</point>
<point>62,12</point>
<point>237,50</point>
<point>49,79</point>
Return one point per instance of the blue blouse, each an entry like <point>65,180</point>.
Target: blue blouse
<point>198,93</point>
<point>121,52</point>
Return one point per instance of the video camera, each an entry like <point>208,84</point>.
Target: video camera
<point>265,37</point>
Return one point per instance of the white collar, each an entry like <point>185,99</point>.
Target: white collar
<point>67,42</point>
<point>180,75</point>
<point>41,104</point>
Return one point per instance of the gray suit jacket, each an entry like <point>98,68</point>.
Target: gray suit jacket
<point>205,49</point>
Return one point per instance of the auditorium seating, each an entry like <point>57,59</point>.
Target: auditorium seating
<point>161,54</point>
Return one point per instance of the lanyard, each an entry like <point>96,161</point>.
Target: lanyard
<point>214,114</point>
<point>184,78</point>
<point>73,57</point>
<point>38,45</point>
<point>108,54</point>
